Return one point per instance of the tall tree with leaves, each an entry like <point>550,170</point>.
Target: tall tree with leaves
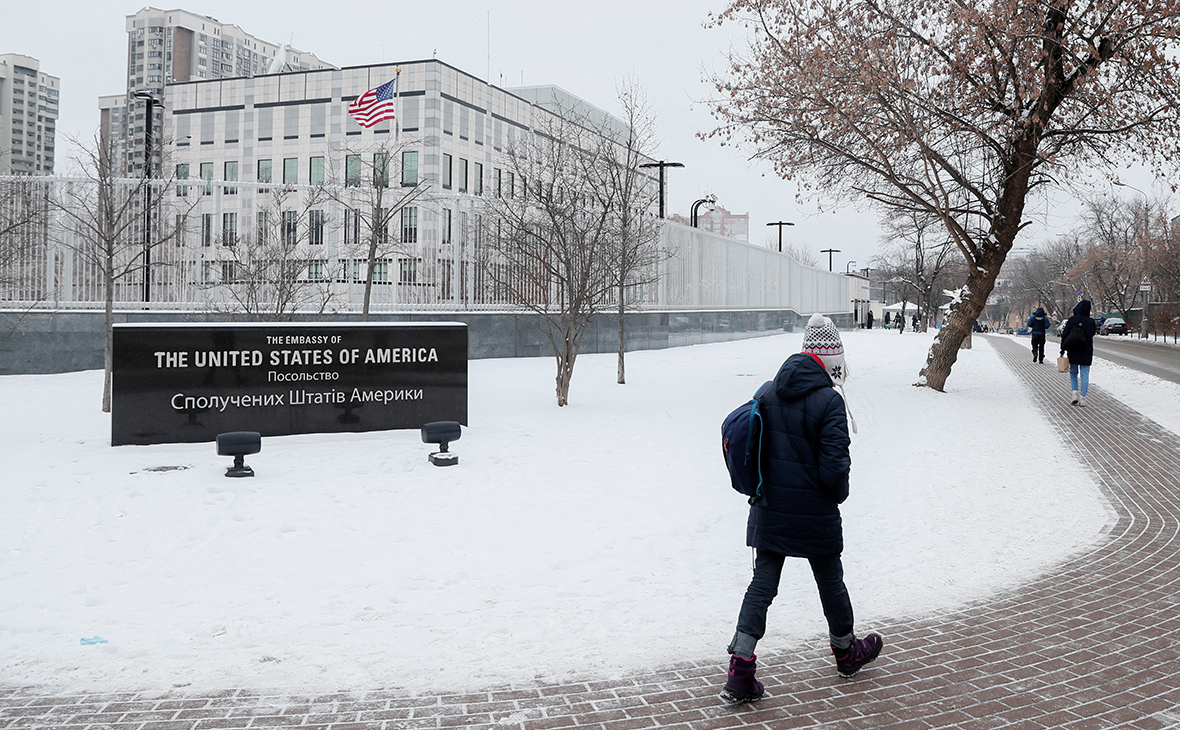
<point>955,109</point>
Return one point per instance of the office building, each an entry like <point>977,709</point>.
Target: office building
<point>177,46</point>
<point>28,116</point>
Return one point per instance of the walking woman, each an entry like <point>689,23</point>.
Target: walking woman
<point>1077,341</point>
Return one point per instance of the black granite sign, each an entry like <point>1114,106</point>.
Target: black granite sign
<point>185,383</point>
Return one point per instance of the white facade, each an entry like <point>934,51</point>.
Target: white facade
<point>28,116</point>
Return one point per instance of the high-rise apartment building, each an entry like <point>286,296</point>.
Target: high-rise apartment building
<point>175,46</point>
<point>28,116</point>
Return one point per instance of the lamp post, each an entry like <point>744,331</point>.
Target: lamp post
<point>829,252</point>
<point>709,200</point>
<point>662,165</point>
<point>780,225</point>
<point>847,266</point>
<point>150,100</point>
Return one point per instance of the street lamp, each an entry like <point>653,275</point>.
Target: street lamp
<point>780,225</point>
<point>662,165</point>
<point>847,266</point>
<point>829,252</point>
<point>150,99</point>
<point>709,200</point>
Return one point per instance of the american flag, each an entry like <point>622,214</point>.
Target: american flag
<point>373,106</point>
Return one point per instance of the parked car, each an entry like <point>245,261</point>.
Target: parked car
<point>1113,325</point>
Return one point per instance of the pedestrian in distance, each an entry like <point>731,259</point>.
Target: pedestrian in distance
<point>915,323</point>
<point>870,318</point>
<point>805,466</point>
<point>1077,341</point>
<point>1038,325</point>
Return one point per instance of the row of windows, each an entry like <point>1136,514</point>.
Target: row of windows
<point>464,176</point>
<point>289,229</point>
<point>347,270</point>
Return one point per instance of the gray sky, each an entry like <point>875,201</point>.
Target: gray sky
<point>585,51</point>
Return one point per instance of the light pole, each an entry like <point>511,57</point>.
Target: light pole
<point>847,266</point>
<point>150,100</point>
<point>709,200</point>
<point>780,225</point>
<point>829,252</point>
<point>662,165</point>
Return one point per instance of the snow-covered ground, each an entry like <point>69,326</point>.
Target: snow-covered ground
<point>586,541</point>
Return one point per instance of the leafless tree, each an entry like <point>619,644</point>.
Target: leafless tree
<point>274,265</point>
<point>379,182</point>
<point>919,258</point>
<point>954,109</point>
<point>550,245</point>
<point>104,217</point>
<point>1043,274</point>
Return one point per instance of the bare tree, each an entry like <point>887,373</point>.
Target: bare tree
<point>105,218</point>
<point>632,196</point>
<point>919,257</point>
<point>273,266</point>
<point>1043,274</point>
<point>550,242</point>
<point>377,187</point>
<point>958,110</point>
<point>796,250</point>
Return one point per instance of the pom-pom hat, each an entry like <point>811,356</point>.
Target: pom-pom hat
<point>822,339</point>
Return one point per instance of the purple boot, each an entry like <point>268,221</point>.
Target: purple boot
<point>861,652</point>
<point>741,685</point>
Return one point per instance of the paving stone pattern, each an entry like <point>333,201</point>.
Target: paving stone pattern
<point>1093,645</point>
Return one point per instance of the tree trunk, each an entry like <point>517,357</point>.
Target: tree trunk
<point>622,336</point>
<point>108,350</point>
<point>945,350</point>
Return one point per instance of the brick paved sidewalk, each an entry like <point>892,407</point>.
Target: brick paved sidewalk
<point>1094,645</point>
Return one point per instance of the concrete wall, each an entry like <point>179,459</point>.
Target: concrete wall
<point>65,341</point>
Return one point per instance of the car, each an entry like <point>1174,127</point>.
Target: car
<point>1113,325</point>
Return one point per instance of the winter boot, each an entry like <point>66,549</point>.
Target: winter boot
<point>861,652</point>
<point>1074,401</point>
<point>741,685</point>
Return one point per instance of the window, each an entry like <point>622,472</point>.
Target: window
<point>264,171</point>
<point>206,229</point>
<point>315,270</point>
<point>262,228</point>
<point>477,179</point>
<point>446,225</point>
<point>181,174</point>
<point>316,176</point>
<point>509,191</point>
<point>229,229</point>
<point>315,227</point>
<point>497,183</point>
<point>352,227</point>
<point>407,270</point>
<point>207,176</point>
<point>291,171</point>
<point>229,271</point>
<point>409,168</point>
<point>381,169</point>
<point>352,171</point>
<point>446,172</point>
<point>381,271</point>
<point>290,227</point>
<point>231,175</point>
<point>409,225</point>
<point>462,175</point>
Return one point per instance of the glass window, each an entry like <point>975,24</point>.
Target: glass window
<point>182,174</point>
<point>381,169</point>
<point>317,171</point>
<point>207,176</point>
<point>409,168</point>
<point>352,171</point>
<point>231,175</point>
<point>315,270</point>
<point>229,229</point>
<point>264,171</point>
<point>462,175</point>
<point>315,227</point>
<point>407,270</point>
<point>206,229</point>
<point>446,225</point>
<point>291,171</point>
<point>477,179</point>
<point>409,225</point>
<point>262,228</point>
<point>290,227</point>
<point>497,183</point>
<point>446,172</point>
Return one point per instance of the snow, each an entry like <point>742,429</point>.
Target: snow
<point>579,542</point>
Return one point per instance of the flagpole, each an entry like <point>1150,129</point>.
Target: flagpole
<point>397,117</point>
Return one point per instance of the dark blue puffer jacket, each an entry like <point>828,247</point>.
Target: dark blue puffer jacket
<point>1038,323</point>
<point>805,464</point>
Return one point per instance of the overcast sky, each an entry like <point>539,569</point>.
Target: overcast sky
<point>586,52</point>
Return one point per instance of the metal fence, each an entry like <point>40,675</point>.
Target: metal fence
<point>208,237</point>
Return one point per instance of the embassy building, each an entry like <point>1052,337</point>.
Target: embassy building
<point>259,148</point>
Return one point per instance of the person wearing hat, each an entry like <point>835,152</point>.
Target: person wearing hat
<point>805,478</point>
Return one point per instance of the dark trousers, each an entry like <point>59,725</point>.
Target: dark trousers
<point>829,578</point>
<point>1038,345</point>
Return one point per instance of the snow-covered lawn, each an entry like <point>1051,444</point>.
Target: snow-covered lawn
<point>579,542</point>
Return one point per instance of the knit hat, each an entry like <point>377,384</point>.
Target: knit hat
<point>822,339</point>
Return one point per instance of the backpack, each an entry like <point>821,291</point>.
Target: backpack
<point>741,445</point>
<point>1076,339</point>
